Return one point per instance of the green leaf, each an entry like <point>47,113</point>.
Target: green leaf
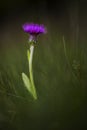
<point>28,54</point>
<point>27,82</point>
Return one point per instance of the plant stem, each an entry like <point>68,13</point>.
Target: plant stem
<point>31,71</point>
<point>66,56</point>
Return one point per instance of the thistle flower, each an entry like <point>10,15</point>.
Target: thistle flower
<point>34,30</point>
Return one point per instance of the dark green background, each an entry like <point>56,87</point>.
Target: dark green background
<point>59,65</point>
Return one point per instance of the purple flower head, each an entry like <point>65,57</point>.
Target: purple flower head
<point>34,29</point>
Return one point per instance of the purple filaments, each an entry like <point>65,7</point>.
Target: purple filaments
<point>34,29</point>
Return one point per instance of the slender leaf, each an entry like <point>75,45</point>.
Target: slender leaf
<point>27,82</point>
<point>28,54</point>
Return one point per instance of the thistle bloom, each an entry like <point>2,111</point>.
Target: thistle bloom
<point>34,30</point>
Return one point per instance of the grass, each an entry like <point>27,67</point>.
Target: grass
<point>60,73</point>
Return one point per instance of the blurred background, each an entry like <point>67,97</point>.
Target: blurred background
<point>59,65</point>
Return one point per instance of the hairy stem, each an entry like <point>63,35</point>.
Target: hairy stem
<point>31,71</point>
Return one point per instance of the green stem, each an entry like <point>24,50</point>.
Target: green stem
<point>31,71</point>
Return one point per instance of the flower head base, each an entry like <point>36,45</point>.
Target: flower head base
<point>34,30</point>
